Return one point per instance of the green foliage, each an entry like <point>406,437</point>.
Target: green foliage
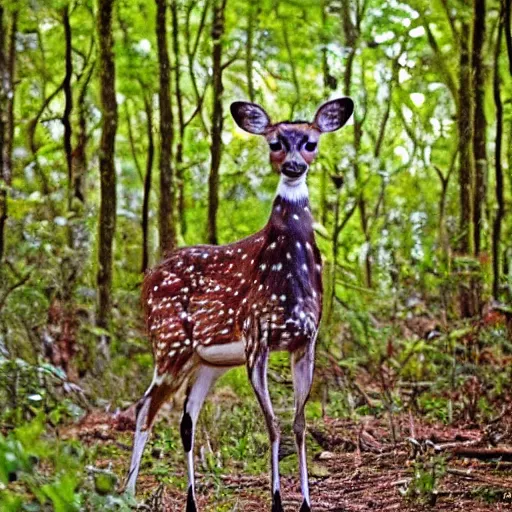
<point>27,390</point>
<point>370,360</point>
<point>37,472</point>
<point>426,479</point>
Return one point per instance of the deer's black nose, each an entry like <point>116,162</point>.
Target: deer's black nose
<point>293,169</point>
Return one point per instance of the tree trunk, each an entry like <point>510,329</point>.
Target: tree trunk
<point>466,174</point>
<point>107,214</point>
<point>167,192</point>
<point>181,120</point>
<point>147,183</point>
<point>68,101</point>
<point>467,299</point>
<point>351,38</point>
<point>479,121</point>
<point>65,340</point>
<point>248,50</point>
<point>496,232</point>
<point>80,150</point>
<point>3,105</point>
<point>7,70</point>
<point>217,119</point>
<point>507,5</point>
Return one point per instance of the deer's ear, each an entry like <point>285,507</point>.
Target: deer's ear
<point>331,116</point>
<point>250,117</point>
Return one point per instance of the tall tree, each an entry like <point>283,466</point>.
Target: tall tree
<point>3,104</point>
<point>7,70</point>
<point>167,187</point>
<point>498,219</point>
<point>507,5</point>
<point>468,304</point>
<point>68,101</point>
<point>191,48</point>
<point>147,181</point>
<point>351,20</point>
<point>465,124</point>
<point>181,118</point>
<point>251,15</point>
<point>218,27</point>
<point>479,120</point>
<point>107,215</point>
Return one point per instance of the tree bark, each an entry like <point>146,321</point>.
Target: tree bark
<point>465,124</point>
<point>147,183</point>
<point>82,137</point>
<point>181,119</point>
<point>3,104</point>
<point>68,101</point>
<point>351,31</point>
<point>468,286</point>
<point>107,214</point>
<point>167,187</point>
<point>7,70</point>
<point>248,50</point>
<point>507,5</point>
<point>217,119</point>
<point>496,232</point>
<point>479,120</point>
<point>65,346</point>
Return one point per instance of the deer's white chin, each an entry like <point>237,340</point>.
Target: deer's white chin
<point>292,189</point>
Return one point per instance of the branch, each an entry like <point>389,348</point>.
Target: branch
<point>345,220</point>
<point>5,295</point>
<point>199,106</point>
<point>191,55</point>
<point>132,142</point>
<point>231,60</point>
<point>451,21</point>
<point>450,82</point>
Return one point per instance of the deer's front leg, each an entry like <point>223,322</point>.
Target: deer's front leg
<point>303,365</point>
<point>257,369</point>
<point>203,380</point>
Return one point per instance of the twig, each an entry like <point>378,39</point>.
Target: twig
<point>13,287</point>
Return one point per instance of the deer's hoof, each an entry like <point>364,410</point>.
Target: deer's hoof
<point>191,502</point>
<point>305,507</point>
<point>276,502</point>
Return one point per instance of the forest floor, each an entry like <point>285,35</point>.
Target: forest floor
<point>357,467</point>
<point>407,423</point>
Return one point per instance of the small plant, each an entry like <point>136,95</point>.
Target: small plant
<point>424,485</point>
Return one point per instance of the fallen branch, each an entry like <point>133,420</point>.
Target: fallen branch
<point>504,454</point>
<point>470,474</point>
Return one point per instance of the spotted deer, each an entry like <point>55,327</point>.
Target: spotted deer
<point>210,308</point>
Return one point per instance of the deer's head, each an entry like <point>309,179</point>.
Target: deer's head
<point>293,144</point>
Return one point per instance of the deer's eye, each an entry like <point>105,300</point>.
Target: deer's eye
<point>275,146</point>
<point>310,146</point>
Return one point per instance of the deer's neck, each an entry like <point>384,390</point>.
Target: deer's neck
<point>291,213</point>
<point>293,190</point>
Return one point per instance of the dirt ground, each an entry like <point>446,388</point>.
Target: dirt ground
<point>361,468</point>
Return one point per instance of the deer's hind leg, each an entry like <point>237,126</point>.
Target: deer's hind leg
<point>303,366</point>
<point>201,383</point>
<point>146,411</point>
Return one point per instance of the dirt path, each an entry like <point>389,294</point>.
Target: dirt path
<point>373,483</point>
<point>361,469</point>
